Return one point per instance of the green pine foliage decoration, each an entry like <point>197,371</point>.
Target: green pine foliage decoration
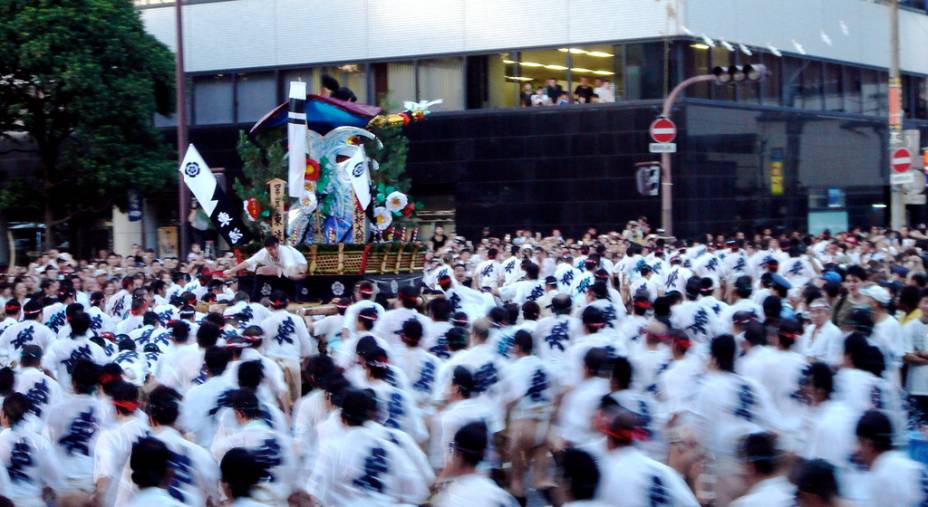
<point>263,159</point>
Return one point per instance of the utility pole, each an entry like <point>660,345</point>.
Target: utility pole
<point>897,205</point>
<point>180,82</point>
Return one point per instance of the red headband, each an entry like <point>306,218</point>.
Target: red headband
<point>278,303</point>
<point>367,317</point>
<point>106,378</point>
<point>366,290</point>
<point>683,343</point>
<point>791,335</point>
<point>128,405</point>
<point>642,303</point>
<point>409,297</point>
<point>596,325</point>
<point>12,307</point>
<point>627,434</point>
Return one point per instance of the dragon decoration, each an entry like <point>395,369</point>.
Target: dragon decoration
<point>332,198</point>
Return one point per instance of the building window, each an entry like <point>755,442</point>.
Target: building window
<point>852,84</point>
<point>644,71</point>
<point>171,121</point>
<point>921,97</point>
<point>394,83</point>
<point>212,99</point>
<point>695,63</point>
<point>545,65</point>
<point>770,89</point>
<point>494,81</point>
<point>793,69</point>
<point>870,92</point>
<point>833,88</point>
<point>812,85</point>
<point>256,94</point>
<point>595,67</point>
<point>349,75</point>
<point>442,79</point>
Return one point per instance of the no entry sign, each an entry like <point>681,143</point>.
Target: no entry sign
<point>663,130</point>
<point>901,160</point>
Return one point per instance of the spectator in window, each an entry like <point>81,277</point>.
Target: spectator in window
<point>526,96</point>
<point>563,99</point>
<point>553,90</point>
<point>583,92</point>
<point>604,89</point>
<point>541,98</point>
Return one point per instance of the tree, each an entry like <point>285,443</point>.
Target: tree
<point>82,80</point>
<point>262,160</point>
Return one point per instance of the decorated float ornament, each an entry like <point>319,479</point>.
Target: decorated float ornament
<point>408,209</point>
<point>403,234</point>
<point>252,208</point>
<point>222,211</point>
<point>396,201</point>
<point>296,140</point>
<point>382,218</point>
<point>328,167</point>
<point>413,111</point>
<point>415,235</point>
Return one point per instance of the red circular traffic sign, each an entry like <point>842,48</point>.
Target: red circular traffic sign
<point>663,130</point>
<point>901,160</point>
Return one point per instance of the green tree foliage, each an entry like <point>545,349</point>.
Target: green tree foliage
<point>82,80</point>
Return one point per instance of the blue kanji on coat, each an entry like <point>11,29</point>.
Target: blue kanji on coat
<point>375,464</point>
<point>284,331</point>
<point>20,460</point>
<point>182,466</point>
<point>38,395</point>
<point>558,337</point>
<point>81,430</point>
<point>267,457</point>
<point>746,402</point>
<point>24,337</point>
<point>537,391</point>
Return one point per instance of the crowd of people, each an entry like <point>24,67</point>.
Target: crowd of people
<point>625,369</point>
<point>553,94</point>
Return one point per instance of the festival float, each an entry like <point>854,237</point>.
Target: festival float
<point>326,176</point>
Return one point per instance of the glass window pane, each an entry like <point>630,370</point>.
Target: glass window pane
<point>498,83</point>
<point>401,84</point>
<point>548,68</point>
<point>834,97</point>
<point>883,92</point>
<point>812,85</point>
<point>644,70</point>
<point>171,121</point>
<point>257,94</point>
<point>770,87</point>
<point>212,99</point>
<point>852,102</point>
<point>442,79</point>
<point>792,81</point>
<point>350,76</point>
<point>593,72</point>
<point>722,57</point>
<point>695,63</point>
<point>921,97</point>
<point>870,92</point>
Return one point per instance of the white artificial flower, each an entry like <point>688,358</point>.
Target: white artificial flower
<point>396,201</point>
<point>382,218</point>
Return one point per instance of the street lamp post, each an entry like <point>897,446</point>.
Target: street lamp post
<point>666,182</point>
<point>180,83</point>
<point>733,75</point>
